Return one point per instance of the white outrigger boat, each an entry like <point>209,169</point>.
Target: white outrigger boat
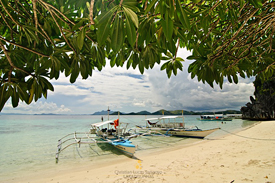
<point>110,132</point>
<point>215,117</point>
<point>174,126</point>
<point>117,136</point>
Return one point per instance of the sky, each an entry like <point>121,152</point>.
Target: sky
<point>129,91</point>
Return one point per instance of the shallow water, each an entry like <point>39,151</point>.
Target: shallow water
<point>29,142</point>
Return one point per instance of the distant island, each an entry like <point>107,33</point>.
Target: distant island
<point>159,112</point>
<point>165,112</point>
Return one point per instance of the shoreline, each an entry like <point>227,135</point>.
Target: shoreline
<point>247,156</point>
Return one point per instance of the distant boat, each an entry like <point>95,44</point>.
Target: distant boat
<point>215,117</point>
<point>235,116</point>
<point>174,126</point>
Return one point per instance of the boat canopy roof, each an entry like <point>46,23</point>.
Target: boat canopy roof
<point>107,122</point>
<point>213,115</point>
<point>170,117</point>
<point>102,123</point>
<point>164,117</point>
<point>151,119</point>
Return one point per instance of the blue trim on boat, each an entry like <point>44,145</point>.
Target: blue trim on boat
<point>125,143</point>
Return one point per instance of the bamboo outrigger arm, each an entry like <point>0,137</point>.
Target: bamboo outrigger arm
<point>77,140</point>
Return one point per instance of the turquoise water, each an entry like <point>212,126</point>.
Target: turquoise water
<point>29,142</point>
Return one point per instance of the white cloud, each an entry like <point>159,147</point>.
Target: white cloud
<point>129,91</point>
<point>37,108</point>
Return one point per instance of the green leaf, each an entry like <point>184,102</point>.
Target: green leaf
<point>171,46</point>
<point>164,66</point>
<point>195,1</point>
<point>104,25</point>
<point>141,67</point>
<point>78,24</point>
<point>75,73</point>
<point>4,96</point>
<point>131,32</point>
<point>47,27</point>
<point>130,3</point>
<point>135,60</point>
<point>130,61</point>
<point>182,15</point>
<point>256,3</point>
<point>117,36</point>
<point>165,58</point>
<point>229,78</point>
<point>113,61</point>
<point>178,63</point>
<point>131,15</point>
<point>167,25</point>
<point>38,92</point>
<point>120,59</point>
<point>31,94</point>
<point>47,84</point>
<point>179,59</point>
<point>80,38</point>
<point>169,70</point>
<point>175,69</point>
<point>235,78</point>
<point>242,74</point>
<point>150,6</point>
<point>163,7</point>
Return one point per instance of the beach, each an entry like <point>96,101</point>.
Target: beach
<point>247,156</point>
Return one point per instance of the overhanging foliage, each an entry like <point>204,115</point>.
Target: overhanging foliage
<point>39,39</point>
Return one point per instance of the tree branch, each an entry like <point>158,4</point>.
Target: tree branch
<point>6,21</point>
<point>49,5</point>
<point>46,35</point>
<point>9,14</point>
<point>35,18</point>
<point>28,15</point>
<point>35,52</point>
<point>60,29</point>
<point>92,12</point>
<point>120,3</point>
<point>11,63</point>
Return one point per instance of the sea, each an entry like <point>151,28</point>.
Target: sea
<point>29,142</point>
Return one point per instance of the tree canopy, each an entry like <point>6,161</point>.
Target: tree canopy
<point>39,39</point>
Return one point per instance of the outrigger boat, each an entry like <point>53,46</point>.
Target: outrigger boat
<point>174,126</point>
<point>215,117</point>
<point>110,132</point>
<point>117,136</point>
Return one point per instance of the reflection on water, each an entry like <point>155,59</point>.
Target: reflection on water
<point>107,148</point>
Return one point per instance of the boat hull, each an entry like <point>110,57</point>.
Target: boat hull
<point>225,119</point>
<point>125,146</point>
<point>194,133</point>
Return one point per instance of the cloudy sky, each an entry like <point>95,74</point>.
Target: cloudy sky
<point>128,91</point>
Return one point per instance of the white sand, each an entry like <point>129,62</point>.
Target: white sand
<point>248,156</point>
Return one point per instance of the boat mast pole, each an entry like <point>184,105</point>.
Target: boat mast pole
<point>108,112</point>
<point>108,117</point>
<point>182,119</point>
